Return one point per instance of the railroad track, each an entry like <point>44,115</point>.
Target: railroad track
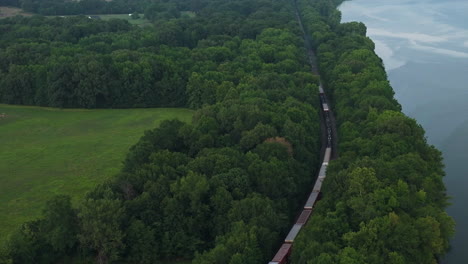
<point>328,152</point>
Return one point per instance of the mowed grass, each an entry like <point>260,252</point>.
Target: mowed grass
<point>139,21</point>
<point>46,151</point>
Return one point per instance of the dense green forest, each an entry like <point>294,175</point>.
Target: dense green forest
<point>154,9</point>
<point>222,189</point>
<point>79,62</point>
<point>226,187</point>
<point>384,197</point>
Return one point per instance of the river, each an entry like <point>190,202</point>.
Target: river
<point>424,46</point>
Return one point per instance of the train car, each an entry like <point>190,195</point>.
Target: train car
<point>318,184</point>
<point>326,157</point>
<point>313,197</point>
<point>304,217</point>
<point>325,107</point>
<point>327,120</point>
<point>293,233</point>
<point>322,99</point>
<point>282,255</point>
<point>321,91</point>
<point>323,170</point>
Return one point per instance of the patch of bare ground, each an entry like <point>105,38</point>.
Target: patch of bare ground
<point>281,141</point>
<point>7,11</point>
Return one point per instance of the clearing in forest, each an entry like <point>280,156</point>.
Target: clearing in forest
<point>6,11</point>
<point>47,151</point>
<point>141,21</point>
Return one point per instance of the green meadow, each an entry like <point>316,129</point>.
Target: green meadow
<point>106,17</point>
<point>139,21</point>
<point>47,151</point>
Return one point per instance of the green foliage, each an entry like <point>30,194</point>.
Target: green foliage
<point>88,64</point>
<point>384,198</point>
<point>135,15</point>
<point>45,240</point>
<point>51,151</point>
<point>141,240</point>
<point>100,228</point>
<point>229,183</point>
<point>224,188</point>
<point>60,224</point>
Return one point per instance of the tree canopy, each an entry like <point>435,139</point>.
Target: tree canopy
<point>231,179</point>
<point>226,187</point>
<point>384,198</point>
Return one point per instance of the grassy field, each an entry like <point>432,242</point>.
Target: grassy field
<point>140,21</point>
<point>46,151</point>
<point>6,11</point>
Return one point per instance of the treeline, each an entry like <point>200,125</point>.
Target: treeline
<point>79,62</point>
<point>384,198</point>
<point>223,189</point>
<point>84,63</point>
<point>65,7</point>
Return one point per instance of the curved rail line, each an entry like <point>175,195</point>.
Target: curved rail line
<point>329,147</point>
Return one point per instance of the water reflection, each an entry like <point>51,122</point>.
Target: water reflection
<point>424,45</point>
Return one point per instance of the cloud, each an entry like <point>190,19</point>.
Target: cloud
<point>408,36</point>
<point>443,51</point>
<point>465,44</point>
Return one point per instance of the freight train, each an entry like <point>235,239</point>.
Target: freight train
<point>283,254</point>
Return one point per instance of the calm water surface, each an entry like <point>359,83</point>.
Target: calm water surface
<point>424,45</point>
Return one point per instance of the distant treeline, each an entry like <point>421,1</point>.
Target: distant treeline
<point>223,189</point>
<point>384,198</point>
<point>67,7</point>
<point>85,63</point>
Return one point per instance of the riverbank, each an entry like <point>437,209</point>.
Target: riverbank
<point>423,44</point>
